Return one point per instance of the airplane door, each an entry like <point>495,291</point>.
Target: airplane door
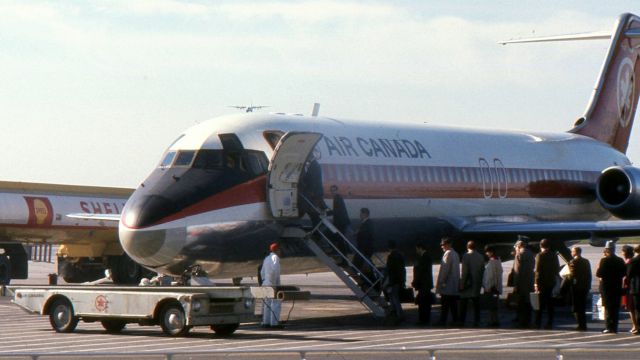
<point>285,169</point>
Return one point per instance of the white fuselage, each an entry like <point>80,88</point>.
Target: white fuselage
<point>401,172</point>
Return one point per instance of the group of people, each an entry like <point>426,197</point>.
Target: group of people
<point>536,278</point>
<point>459,282</point>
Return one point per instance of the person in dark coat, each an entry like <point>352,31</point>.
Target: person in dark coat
<point>396,279</point>
<point>364,242</point>
<point>547,268</point>
<point>523,266</point>
<point>611,270</point>
<point>364,236</point>
<point>312,191</point>
<point>340,220</point>
<point>580,280</point>
<point>633,277</point>
<point>423,284</point>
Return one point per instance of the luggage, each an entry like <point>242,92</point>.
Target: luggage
<point>534,298</point>
<point>406,296</point>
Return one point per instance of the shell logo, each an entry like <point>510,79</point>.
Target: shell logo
<point>40,211</point>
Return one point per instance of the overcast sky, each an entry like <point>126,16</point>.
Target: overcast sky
<point>92,92</point>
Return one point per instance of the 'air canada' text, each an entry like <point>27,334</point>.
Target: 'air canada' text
<point>370,147</point>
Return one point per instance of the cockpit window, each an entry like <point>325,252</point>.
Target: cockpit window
<point>208,159</point>
<point>184,158</point>
<point>257,162</point>
<point>250,162</point>
<point>168,159</point>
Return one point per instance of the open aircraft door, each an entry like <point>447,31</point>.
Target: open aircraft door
<point>285,170</point>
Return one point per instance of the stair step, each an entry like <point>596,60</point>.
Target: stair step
<point>321,245</point>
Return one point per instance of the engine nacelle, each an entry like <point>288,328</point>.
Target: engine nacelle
<point>618,191</point>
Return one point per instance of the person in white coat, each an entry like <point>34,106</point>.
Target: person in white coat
<point>270,274</point>
<point>448,282</point>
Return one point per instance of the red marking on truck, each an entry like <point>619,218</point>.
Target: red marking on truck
<point>101,303</point>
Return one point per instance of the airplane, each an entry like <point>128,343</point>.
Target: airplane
<point>228,187</point>
<point>249,108</point>
<point>34,213</point>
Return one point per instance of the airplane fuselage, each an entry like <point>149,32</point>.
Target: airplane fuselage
<point>206,202</point>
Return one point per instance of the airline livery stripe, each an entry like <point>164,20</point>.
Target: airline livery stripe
<point>415,182</point>
<point>398,181</point>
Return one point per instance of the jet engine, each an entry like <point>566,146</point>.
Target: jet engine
<point>618,190</point>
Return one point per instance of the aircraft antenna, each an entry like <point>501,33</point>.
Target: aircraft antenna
<point>316,109</point>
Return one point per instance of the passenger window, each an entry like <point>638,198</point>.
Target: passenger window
<point>168,159</point>
<point>184,158</point>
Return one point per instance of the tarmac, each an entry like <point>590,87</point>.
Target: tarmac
<point>332,324</point>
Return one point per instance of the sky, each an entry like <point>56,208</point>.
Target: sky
<point>92,92</point>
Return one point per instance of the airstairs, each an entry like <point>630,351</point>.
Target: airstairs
<point>329,245</point>
<point>286,167</point>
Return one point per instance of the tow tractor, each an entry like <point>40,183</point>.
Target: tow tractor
<point>175,308</point>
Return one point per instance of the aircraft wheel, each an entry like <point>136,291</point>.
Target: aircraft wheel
<point>224,329</point>
<point>61,316</point>
<point>78,270</point>
<point>173,320</point>
<point>113,325</point>
<point>125,271</point>
<point>5,270</point>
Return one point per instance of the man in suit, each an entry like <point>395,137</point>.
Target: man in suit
<point>340,220</point>
<point>365,242</point>
<point>611,270</point>
<point>523,266</point>
<point>396,279</point>
<point>580,280</point>
<point>423,283</point>
<point>312,191</point>
<point>547,268</point>
<point>448,282</point>
<point>471,282</point>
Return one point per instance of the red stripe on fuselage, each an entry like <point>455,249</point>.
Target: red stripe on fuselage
<point>251,192</point>
<point>414,182</point>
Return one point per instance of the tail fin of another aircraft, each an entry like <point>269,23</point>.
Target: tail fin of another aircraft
<point>609,116</point>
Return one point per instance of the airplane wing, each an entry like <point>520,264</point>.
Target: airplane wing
<point>569,37</point>
<point>568,230</point>
<point>103,217</point>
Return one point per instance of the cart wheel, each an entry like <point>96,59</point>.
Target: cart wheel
<point>173,320</point>
<point>61,316</point>
<point>113,325</point>
<point>224,329</point>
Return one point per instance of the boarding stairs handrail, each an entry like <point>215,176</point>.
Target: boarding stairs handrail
<point>350,246</point>
<point>367,297</point>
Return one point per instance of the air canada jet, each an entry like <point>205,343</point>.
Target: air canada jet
<point>226,188</point>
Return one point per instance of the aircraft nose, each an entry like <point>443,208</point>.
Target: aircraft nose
<point>152,248</point>
<point>146,210</point>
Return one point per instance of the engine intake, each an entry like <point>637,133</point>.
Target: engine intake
<point>618,190</point>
